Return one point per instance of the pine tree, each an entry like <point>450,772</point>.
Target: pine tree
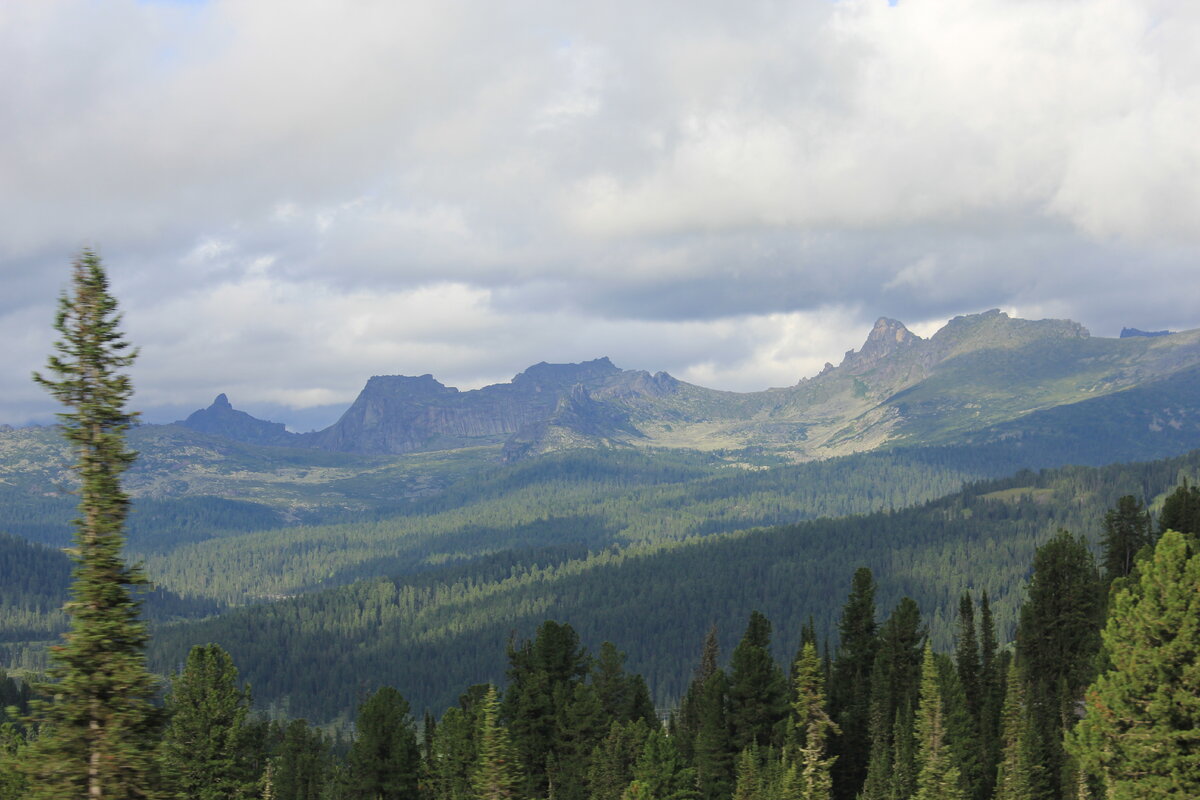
<point>1181,510</point>
<point>1126,531</point>
<point>713,747</point>
<point>1057,640</point>
<point>850,686</point>
<point>384,761</point>
<point>966,655</point>
<point>661,770</point>
<point>991,687</point>
<point>895,680</point>
<point>98,732</point>
<point>302,769</point>
<point>937,777</point>
<point>686,724</point>
<point>814,726</point>
<point>497,770</point>
<point>1141,732</point>
<point>613,760</point>
<point>209,751</point>
<point>757,692</point>
<point>1015,773</point>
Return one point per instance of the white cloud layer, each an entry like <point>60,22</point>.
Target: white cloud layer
<point>292,196</point>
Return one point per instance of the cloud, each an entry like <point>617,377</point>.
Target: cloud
<point>530,180</point>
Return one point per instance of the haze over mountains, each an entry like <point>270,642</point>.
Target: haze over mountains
<point>973,379</point>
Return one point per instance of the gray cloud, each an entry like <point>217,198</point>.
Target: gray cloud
<point>292,197</point>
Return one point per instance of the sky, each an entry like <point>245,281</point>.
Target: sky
<point>293,195</point>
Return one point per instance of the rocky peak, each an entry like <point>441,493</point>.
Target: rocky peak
<point>222,419</point>
<point>564,376</point>
<point>995,329</point>
<point>888,337</point>
<point>405,386</point>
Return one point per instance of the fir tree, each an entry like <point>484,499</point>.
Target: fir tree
<point>991,687</point>
<point>1015,772</point>
<point>1181,510</point>
<point>1126,531</point>
<point>713,747</point>
<point>661,770</point>
<point>384,761</point>
<point>612,762</point>
<point>1141,733</point>
<point>1057,641</point>
<point>209,750</point>
<point>757,692</point>
<point>814,726</point>
<point>937,777</point>
<point>98,731</point>
<point>850,685</point>
<point>497,769</point>
<point>302,768</point>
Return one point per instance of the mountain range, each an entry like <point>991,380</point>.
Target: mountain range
<point>975,380</point>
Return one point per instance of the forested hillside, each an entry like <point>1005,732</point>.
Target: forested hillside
<point>440,630</point>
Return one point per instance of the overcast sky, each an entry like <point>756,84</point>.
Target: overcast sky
<point>293,195</point>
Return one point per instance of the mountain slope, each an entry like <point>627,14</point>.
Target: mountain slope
<point>431,634</point>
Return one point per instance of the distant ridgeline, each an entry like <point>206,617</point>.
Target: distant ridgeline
<point>1128,332</point>
<point>977,372</point>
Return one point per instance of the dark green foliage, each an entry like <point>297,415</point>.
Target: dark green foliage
<point>991,687</point>
<point>713,747</point>
<point>850,685</point>
<point>1057,640</point>
<point>303,767</point>
<point>1141,732</point>
<point>452,752</point>
<point>384,761</point>
<point>661,770</point>
<point>895,680</point>
<point>1181,510</point>
<point>758,695</point>
<point>1126,531</point>
<point>542,679</point>
<point>1018,770</point>
<point>613,760</point>
<point>98,730</point>
<point>209,750</point>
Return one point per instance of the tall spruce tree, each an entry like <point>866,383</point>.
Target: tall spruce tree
<point>850,686</point>
<point>1015,773</point>
<point>1181,510</point>
<point>1141,732</point>
<point>99,729</point>
<point>1057,640</point>
<point>497,770</point>
<point>814,727</point>
<point>758,695</point>
<point>1126,531</point>
<point>937,777</point>
<point>384,760</point>
<point>991,687</point>
<point>209,750</point>
<point>895,683</point>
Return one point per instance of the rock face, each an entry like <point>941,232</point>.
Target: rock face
<point>1127,333</point>
<point>397,414</point>
<point>222,419</point>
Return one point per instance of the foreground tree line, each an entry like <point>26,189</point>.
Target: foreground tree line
<point>1069,712</point>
